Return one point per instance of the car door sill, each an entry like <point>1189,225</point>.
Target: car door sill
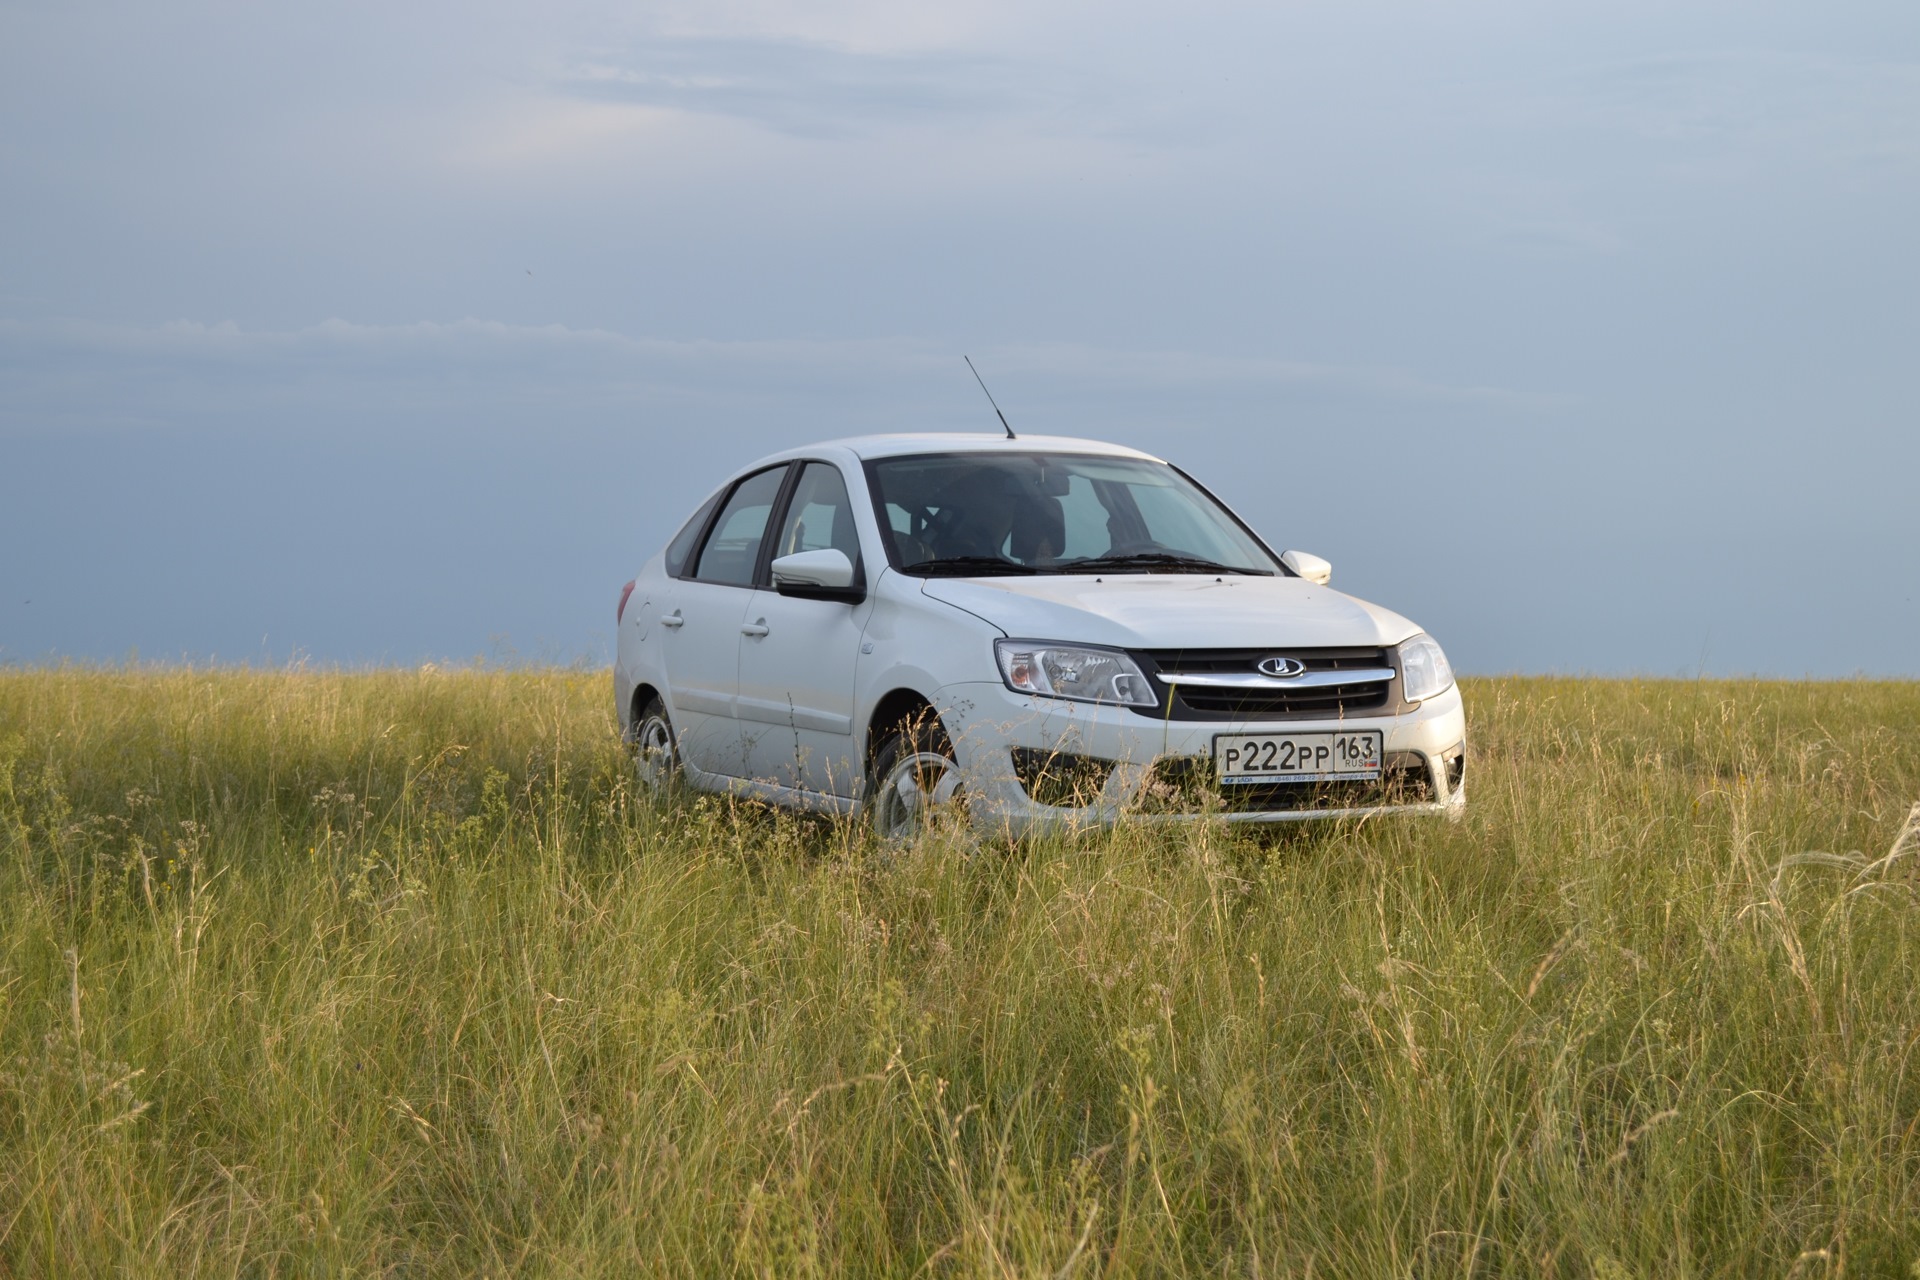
<point>790,797</point>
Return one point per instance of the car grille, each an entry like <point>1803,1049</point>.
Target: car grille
<point>1185,784</point>
<point>1367,693</point>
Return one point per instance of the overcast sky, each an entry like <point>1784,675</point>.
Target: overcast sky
<point>1584,334</point>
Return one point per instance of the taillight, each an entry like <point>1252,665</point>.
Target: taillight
<point>620,614</point>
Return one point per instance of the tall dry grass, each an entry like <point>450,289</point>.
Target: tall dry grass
<point>393,972</point>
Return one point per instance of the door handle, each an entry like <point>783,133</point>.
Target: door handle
<point>673,620</point>
<point>756,628</point>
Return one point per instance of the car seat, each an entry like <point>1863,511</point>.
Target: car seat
<point>1039,530</point>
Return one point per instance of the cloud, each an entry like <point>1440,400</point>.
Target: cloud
<point>809,89</point>
<point>63,371</point>
<point>1847,108</point>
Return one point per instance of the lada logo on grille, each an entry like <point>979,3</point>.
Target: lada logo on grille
<point>1281,668</point>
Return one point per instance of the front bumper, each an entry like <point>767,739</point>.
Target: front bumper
<point>1158,771</point>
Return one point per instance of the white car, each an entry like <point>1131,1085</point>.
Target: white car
<point>1050,632</point>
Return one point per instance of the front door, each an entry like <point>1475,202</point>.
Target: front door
<point>797,659</point>
<point>702,616</point>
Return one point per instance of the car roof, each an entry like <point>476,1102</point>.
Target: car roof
<point>889,446</point>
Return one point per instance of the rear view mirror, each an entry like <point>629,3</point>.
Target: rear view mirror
<point>825,574</point>
<point>1310,567</point>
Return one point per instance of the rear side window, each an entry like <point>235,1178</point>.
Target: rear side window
<point>682,545</point>
<point>732,550</point>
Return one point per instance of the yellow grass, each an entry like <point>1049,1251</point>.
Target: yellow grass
<point>322,973</point>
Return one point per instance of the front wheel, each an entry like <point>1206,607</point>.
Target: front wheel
<point>656,763</point>
<point>915,780</point>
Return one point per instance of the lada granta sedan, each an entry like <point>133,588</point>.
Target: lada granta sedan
<point>1045,631</point>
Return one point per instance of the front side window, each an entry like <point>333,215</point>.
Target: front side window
<point>819,515</point>
<point>1025,513</point>
<point>732,550</point>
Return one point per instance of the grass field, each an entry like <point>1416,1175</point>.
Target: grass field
<point>316,973</point>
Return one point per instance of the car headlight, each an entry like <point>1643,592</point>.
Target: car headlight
<point>1073,671</point>
<point>1424,670</point>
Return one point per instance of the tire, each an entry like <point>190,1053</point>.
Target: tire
<point>915,780</point>
<point>656,759</point>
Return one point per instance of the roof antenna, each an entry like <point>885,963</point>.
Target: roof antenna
<point>990,400</point>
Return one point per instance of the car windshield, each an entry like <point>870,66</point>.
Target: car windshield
<point>978,514</point>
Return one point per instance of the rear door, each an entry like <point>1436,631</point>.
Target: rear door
<point>797,658</point>
<point>701,618</point>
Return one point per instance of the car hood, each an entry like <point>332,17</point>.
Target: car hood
<point>1174,611</point>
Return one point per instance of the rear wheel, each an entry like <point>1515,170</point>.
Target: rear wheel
<point>656,764</point>
<point>915,780</point>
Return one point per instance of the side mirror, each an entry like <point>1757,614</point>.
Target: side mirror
<point>1310,567</point>
<point>825,574</point>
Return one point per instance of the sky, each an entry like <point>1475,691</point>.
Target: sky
<point>1584,335</point>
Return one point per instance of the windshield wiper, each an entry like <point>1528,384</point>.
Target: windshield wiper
<point>966,566</point>
<point>1172,561</point>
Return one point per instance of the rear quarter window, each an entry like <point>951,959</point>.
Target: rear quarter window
<point>689,536</point>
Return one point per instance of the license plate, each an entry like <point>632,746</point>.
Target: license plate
<point>1240,758</point>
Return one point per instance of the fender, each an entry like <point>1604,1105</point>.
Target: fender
<point>911,636</point>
